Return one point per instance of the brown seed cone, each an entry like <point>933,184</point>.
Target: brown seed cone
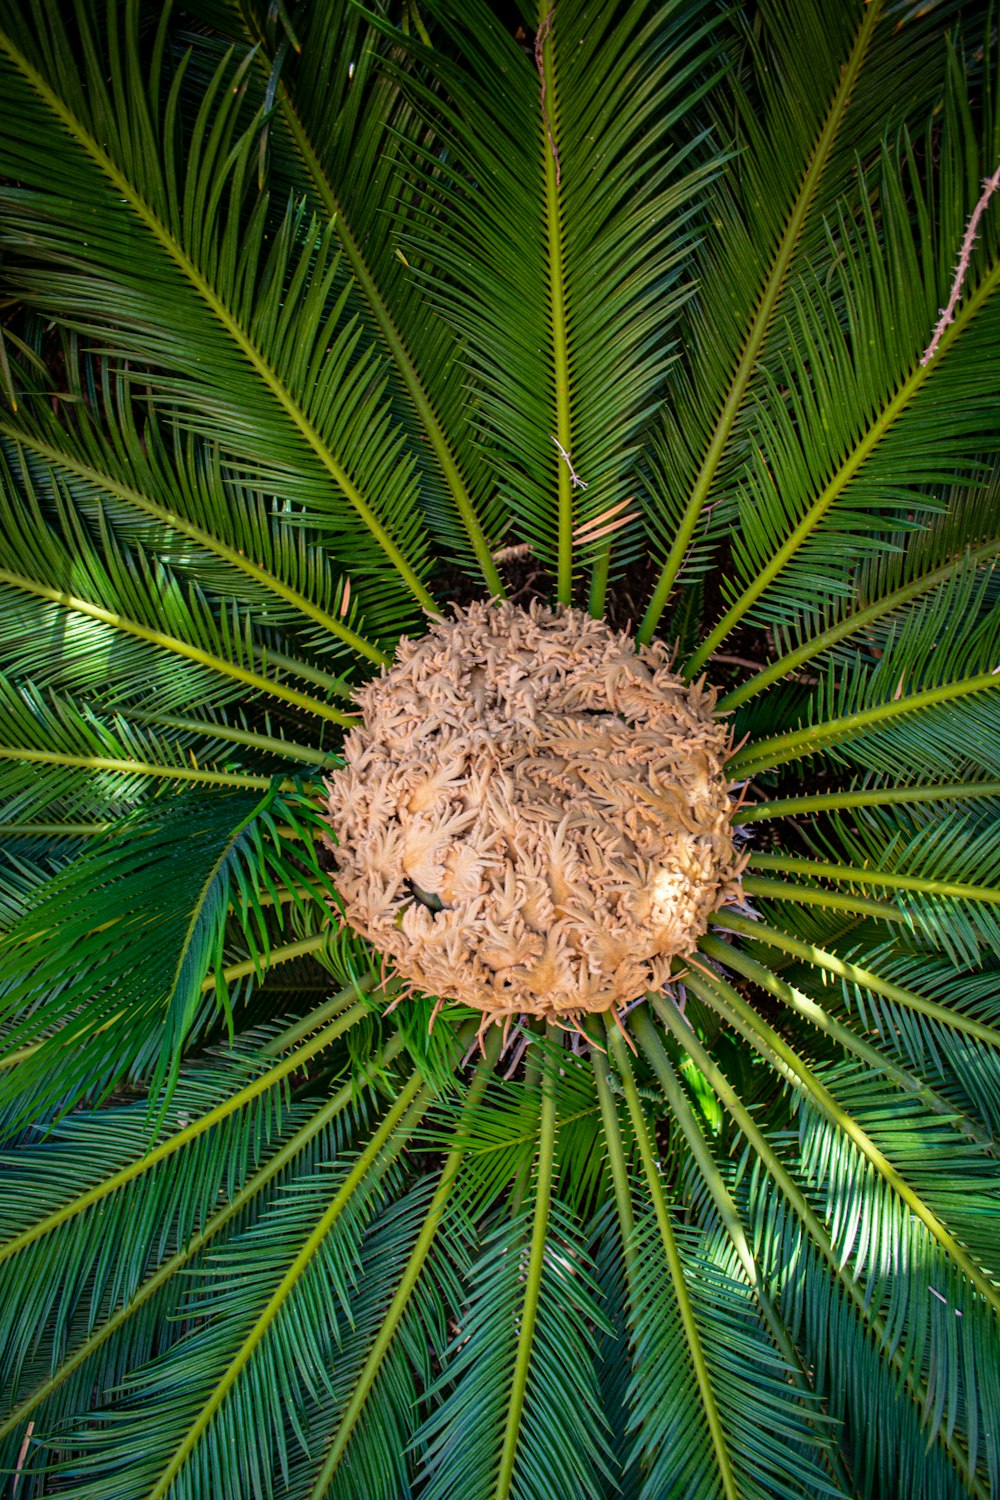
<point>533,817</point>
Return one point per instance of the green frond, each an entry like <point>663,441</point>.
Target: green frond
<point>854,1138</point>
<point>712,1459</point>
<point>888,618</point>
<point>883,1235</point>
<point>219,1303</point>
<point>565,377</point>
<point>788,1233</point>
<point>124,982</point>
<point>313,1242</point>
<point>953,1014</point>
<point>874,795</point>
<point>333,139</point>
<point>615,1364</point>
<point>860,727</point>
<point>853,1044</point>
<point>883,1420</point>
<point>318,321</point>
<point>171,1205</point>
<point>800,503</point>
<point>560,1438</point>
<point>771,1431</point>
<point>213,289</point>
<point>820,89</point>
<point>381,1385</point>
<point>924,862</point>
<point>160,1285</point>
<point>181,502</point>
<point>682,1289</point>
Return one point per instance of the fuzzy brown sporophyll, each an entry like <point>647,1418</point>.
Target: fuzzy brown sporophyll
<point>533,817</point>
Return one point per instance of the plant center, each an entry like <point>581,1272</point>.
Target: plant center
<point>533,816</point>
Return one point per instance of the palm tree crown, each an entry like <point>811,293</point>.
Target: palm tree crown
<point>323,327</point>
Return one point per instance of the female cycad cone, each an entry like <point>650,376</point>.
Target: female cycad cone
<point>533,816</point>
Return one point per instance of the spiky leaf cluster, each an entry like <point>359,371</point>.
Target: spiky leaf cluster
<point>318,320</point>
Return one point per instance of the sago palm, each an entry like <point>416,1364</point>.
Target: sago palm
<point>323,328</point>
